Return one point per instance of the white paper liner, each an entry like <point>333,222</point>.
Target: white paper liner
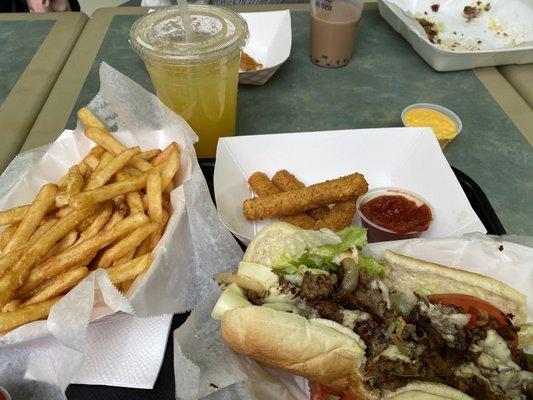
<point>201,359</point>
<point>194,247</point>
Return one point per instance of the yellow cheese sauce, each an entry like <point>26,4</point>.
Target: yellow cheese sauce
<point>442,125</point>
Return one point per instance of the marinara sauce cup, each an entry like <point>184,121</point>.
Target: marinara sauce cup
<point>404,214</point>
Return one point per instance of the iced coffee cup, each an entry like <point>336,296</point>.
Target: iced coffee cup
<point>195,73</point>
<point>333,26</point>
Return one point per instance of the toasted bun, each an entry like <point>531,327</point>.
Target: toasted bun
<point>292,343</point>
<point>427,278</point>
<point>257,250</point>
<point>427,391</point>
<point>321,351</point>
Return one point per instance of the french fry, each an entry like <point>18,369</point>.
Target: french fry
<point>12,305</point>
<point>104,139</point>
<point>169,168</point>
<point>97,223</point>
<point>149,154</point>
<point>13,215</point>
<point>144,248</point>
<point>127,257</point>
<point>107,192</point>
<point>91,161</point>
<point>163,157</point>
<point>64,243</point>
<point>63,212</point>
<point>23,315</point>
<point>9,259</point>
<point>73,185</point>
<point>106,173</point>
<point>125,272</point>
<point>102,163</point>
<point>6,235</point>
<point>124,246</point>
<point>118,215</point>
<point>38,209</point>
<point>84,169</point>
<point>286,181</point>
<point>88,119</point>
<point>79,253</point>
<point>304,199</point>
<point>58,285</point>
<point>153,196</point>
<point>14,278</point>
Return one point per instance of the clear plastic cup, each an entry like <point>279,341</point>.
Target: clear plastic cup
<point>378,233</point>
<point>197,74</point>
<point>333,27</point>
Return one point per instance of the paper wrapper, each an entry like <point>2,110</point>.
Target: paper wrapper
<point>205,367</point>
<point>194,247</point>
<point>500,23</point>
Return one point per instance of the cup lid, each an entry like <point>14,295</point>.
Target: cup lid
<point>161,34</point>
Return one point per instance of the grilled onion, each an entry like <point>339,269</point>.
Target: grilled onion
<point>351,274</point>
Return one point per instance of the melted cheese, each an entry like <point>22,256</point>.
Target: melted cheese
<point>442,125</point>
<point>394,353</point>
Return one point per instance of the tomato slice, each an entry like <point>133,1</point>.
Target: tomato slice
<point>472,305</point>
<point>321,392</point>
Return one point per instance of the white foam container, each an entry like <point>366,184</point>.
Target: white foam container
<point>446,60</point>
<point>269,43</point>
<point>409,158</point>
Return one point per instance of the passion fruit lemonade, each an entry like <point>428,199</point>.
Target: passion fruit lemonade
<point>197,74</point>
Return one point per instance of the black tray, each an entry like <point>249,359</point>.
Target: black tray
<point>164,386</point>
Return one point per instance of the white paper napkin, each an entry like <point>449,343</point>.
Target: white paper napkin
<point>124,351</point>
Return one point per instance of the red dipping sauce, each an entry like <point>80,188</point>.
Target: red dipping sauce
<point>393,214</point>
<point>397,213</point>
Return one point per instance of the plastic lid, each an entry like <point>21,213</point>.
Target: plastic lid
<point>161,36</point>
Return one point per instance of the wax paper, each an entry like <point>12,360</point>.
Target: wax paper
<point>206,368</point>
<point>194,247</point>
<point>499,24</point>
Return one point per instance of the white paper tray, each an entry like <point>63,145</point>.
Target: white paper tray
<point>408,158</point>
<point>444,60</point>
<point>269,43</point>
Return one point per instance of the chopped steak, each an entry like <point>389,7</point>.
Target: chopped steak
<point>329,310</point>
<point>471,12</point>
<point>430,28</point>
<point>316,287</point>
<point>435,7</point>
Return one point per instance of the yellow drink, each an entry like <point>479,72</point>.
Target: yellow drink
<point>204,95</point>
<point>195,74</point>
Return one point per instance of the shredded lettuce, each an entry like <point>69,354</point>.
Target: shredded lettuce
<point>371,266</point>
<point>320,259</point>
<point>351,237</point>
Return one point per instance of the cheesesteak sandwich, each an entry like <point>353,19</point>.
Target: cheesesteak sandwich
<point>311,303</point>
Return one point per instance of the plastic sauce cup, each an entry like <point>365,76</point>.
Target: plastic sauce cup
<point>195,75</point>
<point>443,139</point>
<point>377,233</point>
<point>4,395</point>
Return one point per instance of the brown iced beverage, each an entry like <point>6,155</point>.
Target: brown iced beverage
<point>333,26</point>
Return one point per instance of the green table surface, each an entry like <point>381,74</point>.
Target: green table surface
<point>19,41</point>
<point>384,76</point>
<point>33,49</point>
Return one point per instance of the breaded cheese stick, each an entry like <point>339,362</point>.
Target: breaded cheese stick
<point>286,181</point>
<point>340,216</point>
<point>301,200</point>
<point>260,183</point>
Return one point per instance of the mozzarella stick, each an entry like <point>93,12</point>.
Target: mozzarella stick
<point>260,183</point>
<point>286,181</point>
<point>304,199</point>
<point>340,216</point>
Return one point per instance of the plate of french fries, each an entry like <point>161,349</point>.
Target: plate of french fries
<point>109,210</point>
